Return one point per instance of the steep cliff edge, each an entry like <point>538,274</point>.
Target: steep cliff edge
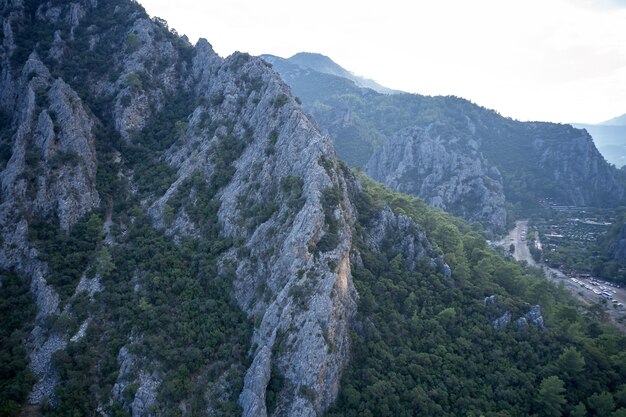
<point>113,115</point>
<point>553,161</point>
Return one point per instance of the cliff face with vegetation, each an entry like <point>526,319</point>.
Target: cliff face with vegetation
<point>443,167</point>
<point>178,238</point>
<point>124,141</point>
<point>536,160</point>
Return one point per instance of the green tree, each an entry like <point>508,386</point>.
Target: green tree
<point>93,231</point>
<point>551,396</point>
<point>105,264</point>
<point>571,363</point>
<point>579,411</point>
<point>601,404</point>
<point>620,396</point>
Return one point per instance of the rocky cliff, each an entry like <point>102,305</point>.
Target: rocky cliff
<point>553,161</point>
<point>105,105</point>
<point>443,167</point>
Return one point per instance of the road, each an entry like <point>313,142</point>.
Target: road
<point>517,236</point>
<point>586,290</point>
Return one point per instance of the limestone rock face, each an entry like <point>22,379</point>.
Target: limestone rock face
<point>290,266</point>
<point>534,316</point>
<point>51,174</point>
<point>443,167</point>
<point>301,296</point>
<point>501,322</point>
<point>584,177</point>
<point>52,170</point>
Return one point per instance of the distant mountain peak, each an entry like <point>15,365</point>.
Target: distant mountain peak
<point>616,121</point>
<point>324,64</point>
<point>321,63</point>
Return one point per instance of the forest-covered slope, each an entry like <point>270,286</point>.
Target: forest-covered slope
<point>472,343</point>
<point>178,238</point>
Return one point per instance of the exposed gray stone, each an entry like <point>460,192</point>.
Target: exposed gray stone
<point>400,235</point>
<point>146,395</point>
<point>82,330</point>
<point>446,270</point>
<point>147,384</point>
<point>89,285</point>
<point>40,362</point>
<point>444,167</point>
<point>501,322</point>
<point>534,316</point>
<point>257,378</point>
<point>492,299</point>
<point>584,177</point>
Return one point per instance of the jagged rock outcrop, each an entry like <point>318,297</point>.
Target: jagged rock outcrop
<point>52,169</point>
<point>400,235</point>
<point>445,168</point>
<point>302,296</point>
<point>51,173</point>
<point>503,319</point>
<point>534,316</point>
<point>491,299</point>
<point>501,322</point>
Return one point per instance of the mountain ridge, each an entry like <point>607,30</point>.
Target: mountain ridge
<point>362,123</point>
<point>610,140</point>
<point>325,65</point>
<point>615,121</point>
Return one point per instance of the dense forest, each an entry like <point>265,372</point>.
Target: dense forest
<point>425,344</point>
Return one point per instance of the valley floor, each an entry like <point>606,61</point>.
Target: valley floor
<point>587,290</point>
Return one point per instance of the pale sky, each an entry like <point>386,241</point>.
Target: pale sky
<point>548,60</point>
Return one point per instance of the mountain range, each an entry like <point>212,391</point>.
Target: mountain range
<point>514,165</point>
<point>178,237</point>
